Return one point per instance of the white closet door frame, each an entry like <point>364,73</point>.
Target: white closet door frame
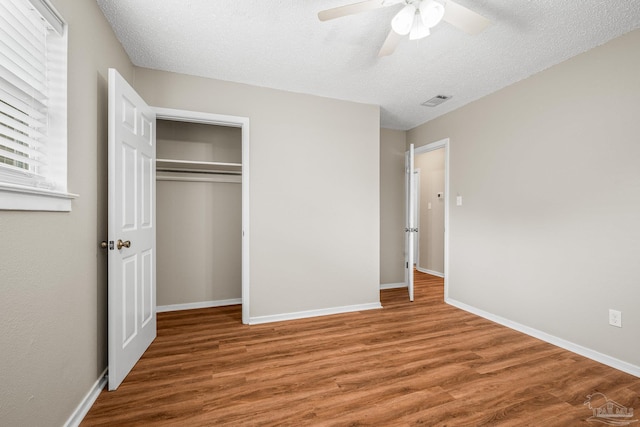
<point>230,121</point>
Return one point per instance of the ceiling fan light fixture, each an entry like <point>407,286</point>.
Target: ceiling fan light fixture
<point>403,21</point>
<point>418,30</point>
<point>415,18</point>
<point>431,13</point>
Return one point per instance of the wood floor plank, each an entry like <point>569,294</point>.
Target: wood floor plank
<point>421,363</point>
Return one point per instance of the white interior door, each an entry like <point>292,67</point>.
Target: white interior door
<point>132,240</point>
<point>410,228</point>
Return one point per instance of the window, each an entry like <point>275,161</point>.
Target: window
<point>33,107</point>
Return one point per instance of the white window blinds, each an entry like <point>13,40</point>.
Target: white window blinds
<point>24,94</point>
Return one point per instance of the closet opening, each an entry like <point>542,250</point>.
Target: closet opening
<point>201,211</point>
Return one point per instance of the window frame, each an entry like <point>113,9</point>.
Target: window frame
<point>17,195</point>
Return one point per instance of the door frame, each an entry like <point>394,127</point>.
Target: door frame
<point>443,143</point>
<point>410,225</point>
<point>243,124</point>
<point>416,189</point>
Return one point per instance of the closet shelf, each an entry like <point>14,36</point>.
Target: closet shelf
<point>172,165</point>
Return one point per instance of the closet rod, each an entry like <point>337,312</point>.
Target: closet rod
<point>232,179</point>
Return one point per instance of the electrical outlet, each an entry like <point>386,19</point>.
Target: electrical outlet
<point>615,318</point>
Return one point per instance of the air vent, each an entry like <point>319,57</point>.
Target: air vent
<point>436,100</point>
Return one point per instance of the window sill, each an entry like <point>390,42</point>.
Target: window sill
<point>22,198</point>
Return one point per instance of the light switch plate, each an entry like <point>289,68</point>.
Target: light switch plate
<point>459,201</point>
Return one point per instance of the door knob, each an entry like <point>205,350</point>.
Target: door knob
<point>121,244</point>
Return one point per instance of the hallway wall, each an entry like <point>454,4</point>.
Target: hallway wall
<point>431,230</point>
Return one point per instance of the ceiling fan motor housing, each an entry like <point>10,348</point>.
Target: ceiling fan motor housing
<point>417,17</point>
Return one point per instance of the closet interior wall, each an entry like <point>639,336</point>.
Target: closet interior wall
<point>199,214</point>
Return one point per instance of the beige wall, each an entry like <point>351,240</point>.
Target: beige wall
<point>314,182</point>
<point>199,224</point>
<point>392,149</point>
<point>548,234</point>
<point>431,229</point>
<point>54,295</point>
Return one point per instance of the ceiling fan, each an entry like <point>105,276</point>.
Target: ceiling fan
<point>414,19</point>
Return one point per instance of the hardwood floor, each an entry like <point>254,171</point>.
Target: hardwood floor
<point>422,363</point>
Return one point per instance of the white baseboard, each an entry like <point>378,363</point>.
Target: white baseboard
<point>87,402</point>
<point>431,272</point>
<point>393,285</point>
<point>562,343</point>
<point>194,305</point>
<point>312,313</point>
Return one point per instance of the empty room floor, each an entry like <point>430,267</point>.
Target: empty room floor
<point>422,363</point>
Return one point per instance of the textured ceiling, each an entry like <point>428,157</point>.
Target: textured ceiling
<point>281,44</point>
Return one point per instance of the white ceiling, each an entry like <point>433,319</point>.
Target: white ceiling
<point>281,44</point>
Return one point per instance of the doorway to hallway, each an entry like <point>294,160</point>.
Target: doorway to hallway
<point>427,206</point>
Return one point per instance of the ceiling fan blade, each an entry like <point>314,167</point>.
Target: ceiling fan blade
<point>390,44</point>
<point>465,19</point>
<point>350,9</point>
